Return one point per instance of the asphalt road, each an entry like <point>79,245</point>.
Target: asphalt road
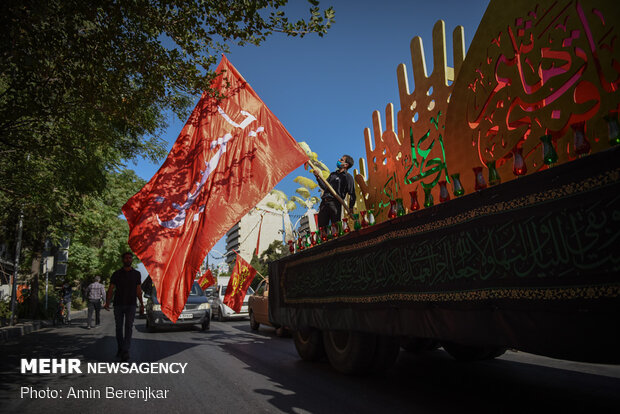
<point>231,369</point>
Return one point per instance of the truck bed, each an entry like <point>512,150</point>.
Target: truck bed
<point>531,264</point>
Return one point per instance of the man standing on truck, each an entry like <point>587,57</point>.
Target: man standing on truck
<point>342,182</point>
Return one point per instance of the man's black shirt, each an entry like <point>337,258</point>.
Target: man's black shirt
<point>125,282</point>
<point>342,183</point>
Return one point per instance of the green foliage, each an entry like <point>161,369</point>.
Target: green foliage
<point>305,182</point>
<point>260,267</point>
<point>86,84</point>
<point>303,191</point>
<point>78,303</point>
<point>282,203</point>
<point>307,200</point>
<point>5,310</point>
<point>276,250</point>
<point>24,309</point>
<point>100,234</point>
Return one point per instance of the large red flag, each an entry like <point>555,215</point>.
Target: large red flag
<point>229,155</point>
<point>239,282</point>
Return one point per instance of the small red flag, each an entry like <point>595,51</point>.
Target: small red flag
<point>240,280</point>
<point>206,279</point>
<point>229,155</point>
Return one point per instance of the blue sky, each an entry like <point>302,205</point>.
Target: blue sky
<point>324,90</point>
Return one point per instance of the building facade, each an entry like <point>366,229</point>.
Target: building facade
<point>244,236</point>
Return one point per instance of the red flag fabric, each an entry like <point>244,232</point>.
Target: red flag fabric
<point>228,156</point>
<point>206,279</point>
<point>238,285</point>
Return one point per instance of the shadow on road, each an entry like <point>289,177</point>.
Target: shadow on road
<point>431,382</point>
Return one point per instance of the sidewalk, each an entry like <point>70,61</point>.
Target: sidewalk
<point>26,326</point>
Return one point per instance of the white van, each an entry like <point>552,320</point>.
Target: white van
<point>222,312</point>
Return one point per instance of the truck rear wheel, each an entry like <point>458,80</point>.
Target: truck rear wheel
<point>472,353</point>
<point>495,351</point>
<point>386,353</point>
<point>350,352</point>
<point>309,344</point>
<point>417,345</point>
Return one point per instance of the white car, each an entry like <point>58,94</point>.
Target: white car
<point>222,312</point>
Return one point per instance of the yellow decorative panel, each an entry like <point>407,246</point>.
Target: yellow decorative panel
<point>535,68</point>
<point>410,155</point>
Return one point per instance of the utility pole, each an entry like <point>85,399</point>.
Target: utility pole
<point>46,257</point>
<point>18,248</point>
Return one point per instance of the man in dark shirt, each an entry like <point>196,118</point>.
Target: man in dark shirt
<point>342,182</point>
<point>125,285</point>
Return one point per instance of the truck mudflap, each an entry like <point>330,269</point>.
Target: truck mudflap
<point>532,264</point>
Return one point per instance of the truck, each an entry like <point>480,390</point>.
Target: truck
<point>531,264</point>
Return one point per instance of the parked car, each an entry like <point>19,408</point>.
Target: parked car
<point>197,310</point>
<point>258,307</point>
<point>222,312</point>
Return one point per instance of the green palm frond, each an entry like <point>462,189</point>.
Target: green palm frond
<point>305,147</point>
<point>298,200</point>
<point>304,192</point>
<point>322,166</point>
<point>280,194</point>
<point>290,206</point>
<point>306,182</point>
<point>275,206</point>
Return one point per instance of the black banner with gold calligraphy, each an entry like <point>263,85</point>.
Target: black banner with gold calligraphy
<point>544,242</point>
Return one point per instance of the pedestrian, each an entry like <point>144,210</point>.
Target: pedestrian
<point>125,286</point>
<point>95,293</point>
<point>342,182</point>
<point>66,298</point>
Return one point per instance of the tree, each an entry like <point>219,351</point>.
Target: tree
<point>276,250</point>
<point>306,200</point>
<point>100,234</point>
<point>86,85</point>
<point>284,205</point>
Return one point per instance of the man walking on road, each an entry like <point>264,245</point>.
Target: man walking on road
<point>125,285</point>
<point>95,293</point>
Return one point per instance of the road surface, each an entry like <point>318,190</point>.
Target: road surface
<point>231,369</point>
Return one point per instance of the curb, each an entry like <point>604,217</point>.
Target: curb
<point>25,328</point>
